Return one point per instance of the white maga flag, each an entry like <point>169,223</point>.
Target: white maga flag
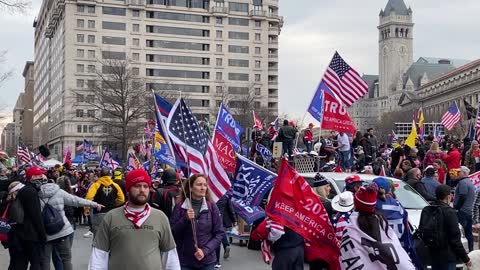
<point>360,251</point>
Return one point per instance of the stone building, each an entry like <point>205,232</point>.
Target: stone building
<point>400,79</point>
<point>200,47</point>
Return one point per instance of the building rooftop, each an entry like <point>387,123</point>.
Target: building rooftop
<point>396,5</point>
<point>370,80</point>
<point>423,67</point>
<point>435,60</point>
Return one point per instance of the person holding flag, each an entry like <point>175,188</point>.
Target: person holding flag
<point>287,135</point>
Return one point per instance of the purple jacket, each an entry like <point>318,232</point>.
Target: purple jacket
<point>209,233</point>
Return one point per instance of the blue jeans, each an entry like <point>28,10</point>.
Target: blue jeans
<point>443,266</point>
<point>225,244</point>
<point>287,148</point>
<point>309,146</point>
<point>466,221</point>
<point>210,267</point>
<point>345,159</point>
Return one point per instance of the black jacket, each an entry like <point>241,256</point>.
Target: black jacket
<point>455,249</point>
<point>421,189</point>
<point>287,133</point>
<point>228,213</point>
<point>32,228</point>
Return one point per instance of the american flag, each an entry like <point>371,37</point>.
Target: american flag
<point>477,124</point>
<point>23,154</point>
<point>258,124</point>
<point>80,147</point>
<point>344,81</point>
<point>107,160</point>
<point>451,117</point>
<point>195,148</point>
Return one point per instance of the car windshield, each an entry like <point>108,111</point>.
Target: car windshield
<point>406,195</point>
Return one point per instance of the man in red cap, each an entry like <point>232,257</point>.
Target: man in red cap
<point>308,138</point>
<point>27,240</point>
<point>135,236</point>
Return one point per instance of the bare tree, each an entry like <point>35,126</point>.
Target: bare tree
<point>386,123</point>
<point>121,102</point>
<point>4,75</point>
<point>15,6</point>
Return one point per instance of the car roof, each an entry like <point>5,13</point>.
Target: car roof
<point>342,176</point>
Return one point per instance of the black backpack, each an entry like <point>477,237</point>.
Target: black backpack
<point>432,227</point>
<point>166,198</point>
<point>52,219</point>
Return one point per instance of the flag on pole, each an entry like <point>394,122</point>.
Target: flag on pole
<point>163,147</point>
<point>23,154</point>
<point>194,146</point>
<point>421,119</point>
<point>451,116</point>
<point>394,137</point>
<point>410,141</point>
<point>229,127</point>
<point>345,82</point>
<point>107,160</point>
<point>257,123</point>
<point>132,162</point>
<point>80,147</point>
<point>471,111</point>
<point>67,155</point>
<point>163,106</point>
<point>437,134</point>
<point>477,124</point>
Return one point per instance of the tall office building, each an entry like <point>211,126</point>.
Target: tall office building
<point>206,49</point>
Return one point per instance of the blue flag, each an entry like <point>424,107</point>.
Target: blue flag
<point>266,154</point>
<point>251,184</point>
<point>162,106</point>
<point>230,128</point>
<point>88,152</point>
<point>316,105</point>
<point>163,148</point>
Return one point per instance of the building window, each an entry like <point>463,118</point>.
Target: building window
<point>80,53</point>
<point>91,54</point>
<point>219,20</point>
<point>159,29</point>
<point>91,84</point>
<point>80,8</point>
<point>238,63</point>
<point>114,26</point>
<point>238,76</point>
<point>136,28</point>
<point>80,68</point>
<point>258,24</point>
<point>238,49</point>
<point>257,91</point>
<point>238,7</point>
<point>80,84</point>
<point>219,34</point>
<point>135,13</point>
<point>257,63</point>
<point>219,89</point>
<point>80,38</point>
<point>91,9</point>
<point>114,11</point>
<point>136,56</point>
<point>258,36</point>
<point>114,55</point>
<point>238,21</point>
<point>80,23</point>
<point>80,98</point>
<point>136,42</point>
<point>91,68</point>
<point>91,39</point>
<point>238,35</point>
<point>114,40</point>
<point>90,129</point>
<point>257,77</point>
<point>136,71</point>
<point>91,113</point>
<point>79,128</point>
<point>219,62</point>
<point>91,24</point>
<point>218,76</point>
<point>257,50</point>
<point>85,128</point>
<point>79,113</point>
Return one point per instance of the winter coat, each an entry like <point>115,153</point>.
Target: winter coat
<point>307,136</point>
<point>420,188</point>
<point>367,145</point>
<point>57,198</point>
<point>106,181</point>
<point>287,133</point>
<point>470,161</point>
<point>430,158</point>
<point>453,159</point>
<point>210,233</point>
<point>225,207</point>
<point>32,228</point>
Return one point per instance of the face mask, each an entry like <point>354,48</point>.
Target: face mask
<point>36,184</point>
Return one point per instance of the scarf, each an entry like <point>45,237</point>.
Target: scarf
<point>137,218</point>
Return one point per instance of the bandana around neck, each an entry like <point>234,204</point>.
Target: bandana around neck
<point>137,218</point>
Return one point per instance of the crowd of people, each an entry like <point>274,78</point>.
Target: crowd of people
<point>171,221</point>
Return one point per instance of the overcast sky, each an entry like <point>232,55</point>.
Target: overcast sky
<point>313,30</point>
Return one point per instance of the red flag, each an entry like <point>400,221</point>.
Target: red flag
<point>68,156</point>
<point>258,124</point>
<point>335,116</point>
<point>293,204</point>
<point>225,152</point>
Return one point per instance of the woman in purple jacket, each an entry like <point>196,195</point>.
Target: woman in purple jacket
<point>197,252</point>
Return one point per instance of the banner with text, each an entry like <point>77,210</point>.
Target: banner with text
<point>476,180</point>
<point>230,128</point>
<point>293,204</point>
<point>335,116</point>
<point>225,152</point>
<point>251,184</point>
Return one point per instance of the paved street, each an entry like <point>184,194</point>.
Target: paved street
<point>240,258</point>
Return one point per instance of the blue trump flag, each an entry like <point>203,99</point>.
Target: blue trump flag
<point>229,128</point>
<point>251,184</point>
<point>316,105</point>
<point>266,154</point>
<point>163,147</point>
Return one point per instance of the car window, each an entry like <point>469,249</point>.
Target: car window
<point>406,195</point>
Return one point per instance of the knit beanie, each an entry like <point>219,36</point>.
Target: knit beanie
<point>136,176</point>
<point>319,181</point>
<point>366,198</point>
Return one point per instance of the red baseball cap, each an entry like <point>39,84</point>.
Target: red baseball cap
<point>34,171</point>
<point>136,176</point>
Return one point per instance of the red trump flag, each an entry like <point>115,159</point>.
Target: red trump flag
<point>225,152</point>
<point>294,205</point>
<point>335,116</point>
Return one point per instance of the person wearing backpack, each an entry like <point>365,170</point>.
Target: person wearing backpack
<point>168,193</point>
<point>53,200</point>
<point>438,229</point>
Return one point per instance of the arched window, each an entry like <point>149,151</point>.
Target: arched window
<point>401,32</point>
<point>406,33</point>
<point>396,32</point>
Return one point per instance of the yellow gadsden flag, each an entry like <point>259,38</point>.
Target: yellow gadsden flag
<point>413,135</point>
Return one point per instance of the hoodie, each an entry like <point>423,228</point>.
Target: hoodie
<point>101,192</point>
<point>57,198</point>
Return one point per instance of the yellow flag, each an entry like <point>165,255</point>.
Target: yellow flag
<point>421,118</point>
<point>413,135</point>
